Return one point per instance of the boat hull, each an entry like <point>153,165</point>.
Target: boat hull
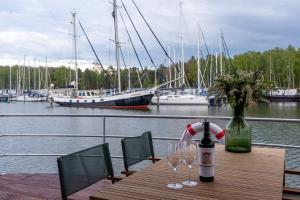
<point>3,99</point>
<point>180,100</point>
<point>283,98</point>
<point>31,99</point>
<point>125,101</point>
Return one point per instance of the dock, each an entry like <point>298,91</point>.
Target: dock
<point>19,186</point>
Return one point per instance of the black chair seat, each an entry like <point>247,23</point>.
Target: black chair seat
<point>137,149</point>
<point>83,168</point>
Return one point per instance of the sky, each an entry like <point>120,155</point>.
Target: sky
<point>40,28</point>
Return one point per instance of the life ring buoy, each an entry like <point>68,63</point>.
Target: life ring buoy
<point>193,129</point>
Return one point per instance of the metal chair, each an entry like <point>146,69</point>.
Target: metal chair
<point>83,168</point>
<point>137,149</point>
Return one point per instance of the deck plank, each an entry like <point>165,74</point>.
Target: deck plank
<point>40,187</point>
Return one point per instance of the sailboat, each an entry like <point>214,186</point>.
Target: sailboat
<point>32,95</point>
<point>279,94</point>
<point>128,100</point>
<point>182,97</point>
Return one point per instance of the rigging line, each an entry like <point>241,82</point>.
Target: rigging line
<point>91,46</point>
<point>202,34</point>
<point>123,57</point>
<point>135,52</point>
<point>166,53</point>
<point>206,47</point>
<point>225,46</point>
<point>202,74</point>
<point>139,36</point>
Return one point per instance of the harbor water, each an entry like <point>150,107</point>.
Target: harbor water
<point>262,132</point>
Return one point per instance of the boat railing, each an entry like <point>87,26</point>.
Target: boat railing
<point>106,136</point>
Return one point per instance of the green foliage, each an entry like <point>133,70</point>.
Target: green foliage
<point>280,68</point>
<point>61,77</point>
<point>241,88</point>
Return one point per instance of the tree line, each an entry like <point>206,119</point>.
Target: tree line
<point>280,67</point>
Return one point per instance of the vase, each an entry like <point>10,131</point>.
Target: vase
<point>238,133</point>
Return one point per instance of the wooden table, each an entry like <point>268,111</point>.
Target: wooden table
<point>248,176</point>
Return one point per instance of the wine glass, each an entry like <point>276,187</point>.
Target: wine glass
<point>173,160</point>
<point>189,154</point>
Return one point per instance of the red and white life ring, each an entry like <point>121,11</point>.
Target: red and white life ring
<point>193,129</point>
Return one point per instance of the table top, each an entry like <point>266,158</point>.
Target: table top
<point>248,176</point>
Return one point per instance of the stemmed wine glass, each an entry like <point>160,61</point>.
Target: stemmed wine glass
<point>189,154</point>
<point>173,160</point>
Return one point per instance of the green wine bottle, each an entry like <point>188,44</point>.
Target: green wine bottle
<point>206,153</point>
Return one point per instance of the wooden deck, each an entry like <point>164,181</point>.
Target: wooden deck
<point>251,176</point>
<point>40,187</point>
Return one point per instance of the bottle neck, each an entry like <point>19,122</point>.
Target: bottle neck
<point>206,134</point>
<point>206,130</point>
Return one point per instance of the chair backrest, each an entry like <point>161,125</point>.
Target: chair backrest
<point>83,168</point>
<point>137,149</point>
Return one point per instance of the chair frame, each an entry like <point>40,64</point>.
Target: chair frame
<point>108,163</point>
<point>152,157</point>
<point>289,190</point>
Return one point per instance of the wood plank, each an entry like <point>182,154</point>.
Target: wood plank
<point>250,176</point>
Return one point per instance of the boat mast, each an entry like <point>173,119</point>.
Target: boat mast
<point>170,72</point>
<point>289,76</point>
<point>270,73</point>
<point>39,77</point>
<point>182,52</point>
<point>23,75</point>
<point>216,58</point>
<point>9,96</point>
<point>28,70</point>
<point>19,77</point>
<point>198,63</point>
<point>154,77</point>
<point>129,71</point>
<point>75,51</point>
<point>46,73</point>
<point>34,74</point>
<point>210,70</point>
<point>117,44</point>
<point>174,55</point>
<point>221,55</point>
<point>179,70</point>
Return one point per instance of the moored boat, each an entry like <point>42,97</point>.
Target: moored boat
<point>180,99</point>
<point>135,100</point>
<point>283,95</point>
<point>31,96</point>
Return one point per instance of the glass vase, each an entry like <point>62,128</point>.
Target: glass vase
<point>238,133</point>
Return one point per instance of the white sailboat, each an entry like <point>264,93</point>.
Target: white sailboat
<point>33,95</point>
<point>182,97</point>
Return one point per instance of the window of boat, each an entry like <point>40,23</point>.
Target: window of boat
<point>83,94</point>
<point>85,101</point>
<point>70,101</point>
<point>92,93</point>
<point>101,99</point>
<point>77,101</point>
<point>88,94</point>
<point>93,101</point>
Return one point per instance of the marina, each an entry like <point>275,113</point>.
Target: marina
<point>151,100</point>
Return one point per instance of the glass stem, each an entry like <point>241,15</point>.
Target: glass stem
<point>190,169</point>
<point>174,176</point>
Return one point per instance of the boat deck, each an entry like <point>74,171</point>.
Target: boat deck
<point>40,187</point>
